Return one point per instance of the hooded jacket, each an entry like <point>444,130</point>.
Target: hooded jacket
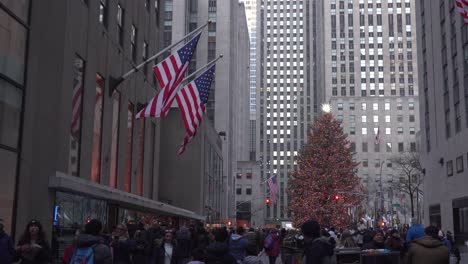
<point>237,246</point>
<point>218,253</point>
<point>428,250</point>
<point>102,253</point>
<point>275,250</point>
<point>416,231</point>
<point>318,251</point>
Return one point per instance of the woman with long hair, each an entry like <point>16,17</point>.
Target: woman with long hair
<point>33,247</point>
<point>167,253</point>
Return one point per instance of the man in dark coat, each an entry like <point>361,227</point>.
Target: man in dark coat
<point>318,249</point>
<point>428,249</point>
<point>218,252</point>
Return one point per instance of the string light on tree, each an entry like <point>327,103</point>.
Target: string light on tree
<point>326,108</point>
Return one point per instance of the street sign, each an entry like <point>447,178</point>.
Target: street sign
<point>396,205</point>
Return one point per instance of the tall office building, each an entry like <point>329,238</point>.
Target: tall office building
<point>251,14</point>
<point>284,91</point>
<point>366,64</point>
<point>443,56</point>
<point>228,105</point>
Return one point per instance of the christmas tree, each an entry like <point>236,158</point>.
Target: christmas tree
<point>325,185</point>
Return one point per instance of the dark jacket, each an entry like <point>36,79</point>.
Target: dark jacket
<point>318,251</point>
<point>122,250</point>
<point>102,253</point>
<point>253,239</point>
<point>218,253</point>
<point>7,249</point>
<point>275,250</point>
<point>428,250</point>
<point>237,246</point>
<point>142,252</point>
<point>394,244</point>
<point>40,257</point>
<point>160,253</point>
<point>373,245</point>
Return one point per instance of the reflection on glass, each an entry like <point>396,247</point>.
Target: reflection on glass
<point>12,47</point>
<point>97,131</point>
<point>8,176</point>
<point>115,139</point>
<point>75,123</point>
<point>10,114</point>
<point>129,148</point>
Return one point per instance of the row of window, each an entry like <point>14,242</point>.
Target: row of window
<point>248,190</point>
<point>375,106</point>
<point>377,147</point>
<point>458,165</point>
<point>352,118</point>
<point>388,131</point>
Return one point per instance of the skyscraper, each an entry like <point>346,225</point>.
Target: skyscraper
<point>228,104</point>
<point>443,56</point>
<point>366,64</point>
<point>284,91</point>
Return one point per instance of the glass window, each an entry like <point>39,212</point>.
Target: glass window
<point>376,118</point>
<point>400,118</point>
<point>141,156</point>
<point>459,164</point>
<point>364,130</point>
<point>8,161</point>
<point>411,118</point>
<point>352,130</point>
<point>412,130</point>
<point>351,106</point>
<point>340,106</point>
<point>401,147</point>
<point>449,168</point>
<point>364,119</point>
<point>12,46</point>
<point>388,131</point>
<point>114,139</point>
<point>389,147</point>
<point>363,106</point>
<point>387,119</point>
<point>352,118</point>
<point>10,114</point>
<point>400,130</point>
<point>364,146</point>
<point>239,190</point>
<point>120,22</point>
<point>97,130</point>
<point>375,106</point>
<point>75,123</point>
<point>133,40</point>
<point>387,106</point>
<point>248,191</point>
<point>129,148</point>
<point>411,106</point>
<point>365,163</point>
<point>103,12</point>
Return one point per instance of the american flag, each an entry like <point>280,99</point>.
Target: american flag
<point>192,99</point>
<point>170,73</point>
<point>462,7</point>
<point>77,99</point>
<point>273,185</point>
<point>377,136</point>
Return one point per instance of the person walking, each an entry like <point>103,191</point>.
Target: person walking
<point>272,245</point>
<point>33,247</point>
<point>318,250</point>
<point>416,231</point>
<point>253,239</point>
<point>168,252</point>
<point>218,251</point>
<point>121,245</point>
<point>7,248</point>
<point>141,253</point>
<point>90,244</point>
<point>238,244</point>
<point>428,249</point>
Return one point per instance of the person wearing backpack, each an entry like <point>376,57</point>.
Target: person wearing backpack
<point>272,245</point>
<point>90,248</point>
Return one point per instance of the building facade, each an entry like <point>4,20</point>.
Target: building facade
<point>284,92</point>
<point>250,195</point>
<point>366,65</point>
<point>74,150</point>
<point>228,105</point>
<point>443,56</point>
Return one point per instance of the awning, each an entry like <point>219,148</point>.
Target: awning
<point>63,182</point>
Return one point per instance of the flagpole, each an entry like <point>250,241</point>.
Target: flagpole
<point>115,82</point>
<point>201,69</point>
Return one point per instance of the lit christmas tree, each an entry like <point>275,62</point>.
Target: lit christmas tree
<point>325,185</point>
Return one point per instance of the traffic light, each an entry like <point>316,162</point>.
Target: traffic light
<point>229,223</point>
<point>337,197</point>
<point>267,201</point>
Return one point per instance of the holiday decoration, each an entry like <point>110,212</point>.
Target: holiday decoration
<point>325,185</point>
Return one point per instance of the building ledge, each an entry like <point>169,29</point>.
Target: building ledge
<point>63,182</point>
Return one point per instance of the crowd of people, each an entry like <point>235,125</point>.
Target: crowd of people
<point>135,243</point>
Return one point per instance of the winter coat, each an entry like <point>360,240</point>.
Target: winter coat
<point>7,249</point>
<point>122,250</point>
<point>394,244</point>
<point>40,256</point>
<point>416,231</point>
<point>160,253</point>
<point>318,251</point>
<point>142,252</point>
<point>102,253</point>
<point>184,242</point>
<point>252,260</point>
<point>218,253</point>
<point>428,250</point>
<point>275,250</point>
<point>237,246</point>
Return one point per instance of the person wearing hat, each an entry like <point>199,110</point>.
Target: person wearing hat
<point>7,249</point>
<point>33,247</point>
<point>428,249</point>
